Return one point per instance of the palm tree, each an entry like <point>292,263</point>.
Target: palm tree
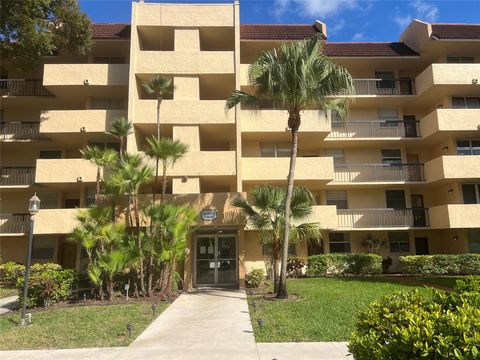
<point>297,77</point>
<point>168,152</point>
<point>265,212</point>
<point>135,174</point>
<point>121,128</point>
<point>159,86</point>
<point>102,159</point>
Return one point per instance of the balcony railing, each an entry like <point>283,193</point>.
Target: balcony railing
<point>375,129</point>
<point>382,218</point>
<point>10,176</point>
<point>14,87</point>
<point>20,131</point>
<point>14,223</point>
<point>384,87</point>
<point>378,172</point>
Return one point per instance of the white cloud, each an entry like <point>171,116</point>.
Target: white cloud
<point>313,8</point>
<point>359,36</point>
<point>421,10</point>
<point>403,20</point>
<point>336,27</point>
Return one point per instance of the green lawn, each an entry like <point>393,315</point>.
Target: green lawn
<point>325,311</point>
<point>7,291</point>
<point>76,327</point>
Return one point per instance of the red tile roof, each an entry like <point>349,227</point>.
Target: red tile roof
<point>276,31</point>
<point>368,49</point>
<point>110,31</point>
<point>456,31</point>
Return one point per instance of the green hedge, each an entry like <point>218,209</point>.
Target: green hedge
<point>10,272</point>
<point>414,326</point>
<point>344,264</point>
<point>464,264</point>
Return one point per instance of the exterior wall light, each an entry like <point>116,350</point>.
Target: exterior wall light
<point>445,148</point>
<point>86,82</point>
<point>83,129</point>
<point>450,191</point>
<point>455,238</point>
<point>475,81</point>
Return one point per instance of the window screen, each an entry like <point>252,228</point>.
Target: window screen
<point>399,241</point>
<point>338,198</point>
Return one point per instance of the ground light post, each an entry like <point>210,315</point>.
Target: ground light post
<point>33,207</point>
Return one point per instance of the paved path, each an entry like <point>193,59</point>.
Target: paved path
<point>207,324</point>
<point>8,304</point>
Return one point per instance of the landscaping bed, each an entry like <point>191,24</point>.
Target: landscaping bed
<point>326,308</point>
<point>6,291</point>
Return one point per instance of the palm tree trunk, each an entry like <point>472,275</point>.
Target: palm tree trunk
<point>122,140</point>
<point>139,245</point>
<point>282,286</point>
<point>97,190</point>
<point>156,180</point>
<point>173,268</point>
<point>159,102</point>
<point>150,275</point>
<point>275,259</point>
<point>164,182</point>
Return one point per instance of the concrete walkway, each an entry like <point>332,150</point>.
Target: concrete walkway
<point>8,304</point>
<point>207,324</point>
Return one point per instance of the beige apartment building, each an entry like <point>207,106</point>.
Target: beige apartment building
<point>403,166</point>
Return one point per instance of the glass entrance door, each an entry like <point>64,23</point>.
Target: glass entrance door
<point>216,260</point>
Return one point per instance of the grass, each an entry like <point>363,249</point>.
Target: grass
<point>76,327</point>
<point>6,291</point>
<point>325,311</point>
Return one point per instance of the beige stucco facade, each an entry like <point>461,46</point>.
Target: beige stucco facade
<point>404,165</point>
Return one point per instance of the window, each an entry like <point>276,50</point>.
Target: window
<point>395,199</point>
<point>107,104</point>
<point>43,248</point>
<point>337,121</point>
<point>391,156</point>
<point>387,79</point>
<point>90,196</point>
<point>338,198</point>
<point>466,102</point>
<point>109,60</point>
<point>50,154</point>
<point>339,242</point>
<point>389,117</point>
<point>473,241</point>
<point>337,154</point>
<point>274,149</point>
<point>107,145</point>
<point>292,249</point>
<point>460,59</point>
<point>399,242</point>
<point>49,200</point>
<point>468,147</point>
<point>471,193</point>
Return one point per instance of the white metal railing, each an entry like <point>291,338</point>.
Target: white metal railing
<point>17,176</point>
<point>384,87</point>
<point>378,172</point>
<point>375,129</point>
<point>382,218</point>
<point>20,131</point>
<point>14,223</point>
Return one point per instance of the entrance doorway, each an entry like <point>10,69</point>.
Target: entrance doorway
<point>421,246</point>
<point>216,262</point>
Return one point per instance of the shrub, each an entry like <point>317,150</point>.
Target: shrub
<point>295,266</point>
<point>464,264</point>
<point>255,278</point>
<point>10,272</point>
<point>412,326</point>
<point>344,264</point>
<point>48,284</point>
<point>386,264</point>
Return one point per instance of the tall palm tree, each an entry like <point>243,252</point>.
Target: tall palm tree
<point>159,86</point>
<point>102,158</point>
<point>265,212</point>
<point>121,128</point>
<point>168,152</point>
<point>297,77</point>
<point>135,174</point>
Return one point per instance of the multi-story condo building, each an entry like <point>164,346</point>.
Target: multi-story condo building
<point>404,165</point>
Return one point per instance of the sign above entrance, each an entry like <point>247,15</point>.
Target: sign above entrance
<point>209,214</point>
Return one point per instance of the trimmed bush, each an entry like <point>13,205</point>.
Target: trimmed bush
<point>412,326</point>
<point>464,264</point>
<point>295,266</point>
<point>255,278</point>
<point>10,272</point>
<point>48,284</point>
<point>344,264</point>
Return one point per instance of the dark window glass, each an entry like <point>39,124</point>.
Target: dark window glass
<point>470,193</point>
<point>395,199</point>
<point>339,242</point>
<point>50,154</point>
<point>399,241</point>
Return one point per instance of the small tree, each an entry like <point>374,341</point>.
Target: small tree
<point>121,128</point>
<point>159,86</point>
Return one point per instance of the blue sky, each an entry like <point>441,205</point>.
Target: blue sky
<point>347,20</point>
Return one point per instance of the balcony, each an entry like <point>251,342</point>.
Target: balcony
<point>460,76</point>
<point>184,112</point>
<point>61,122</point>
<point>20,131</point>
<point>458,167</point>
<point>382,218</point>
<point>451,122</point>
<point>57,171</point>
<point>186,62</point>
<point>374,129</point>
<point>381,87</point>
<point>325,215</point>
<point>455,216</point>
<point>276,120</point>
<point>276,169</point>
<point>14,224</point>
<point>55,221</point>
<point>16,176</point>
<point>20,87</point>
<point>378,173</point>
